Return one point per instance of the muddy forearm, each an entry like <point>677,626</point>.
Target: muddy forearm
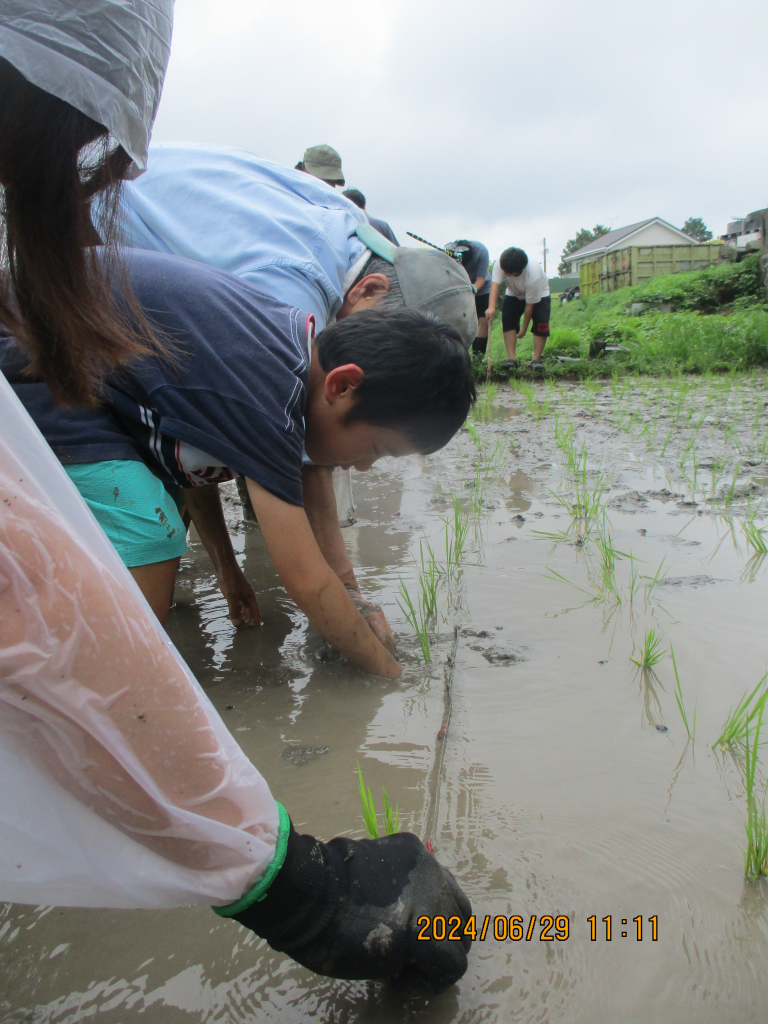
<point>313,585</point>
<point>320,507</point>
<point>204,507</point>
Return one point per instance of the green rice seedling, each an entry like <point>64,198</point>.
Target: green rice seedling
<point>608,558</point>
<point>633,579</point>
<point>474,434</point>
<point>754,536</point>
<point>588,503</point>
<point>391,819</point>
<point>736,725</point>
<point>679,699</point>
<point>730,494</point>
<point>651,653</point>
<point>482,409</point>
<point>456,531</point>
<point>429,579</point>
<point>667,439</point>
<point>718,468</point>
<point>756,853</point>
<point>557,577</point>
<point>417,619</point>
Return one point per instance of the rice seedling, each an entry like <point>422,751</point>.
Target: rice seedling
<point>391,819</point>
<point>654,581</point>
<point>730,494</point>
<point>754,536</point>
<point>667,439</point>
<point>588,503</point>
<point>429,580</point>
<point>651,653</point>
<point>608,557</point>
<point>482,409</point>
<point>679,699</point>
<point>756,853</point>
<point>417,618</point>
<point>736,725</point>
<point>556,577</point>
<point>456,531</point>
<point>633,580</point>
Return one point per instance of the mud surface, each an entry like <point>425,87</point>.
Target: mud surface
<point>553,775</point>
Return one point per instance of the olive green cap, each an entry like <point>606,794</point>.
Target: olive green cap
<point>325,163</point>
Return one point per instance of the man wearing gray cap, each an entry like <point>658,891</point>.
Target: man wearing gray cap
<point>322,162</point>
<point>306,247</point>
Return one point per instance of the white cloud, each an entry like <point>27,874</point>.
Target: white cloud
<point>502,121</point>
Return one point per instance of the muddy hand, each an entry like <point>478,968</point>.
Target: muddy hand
<point>351,909</point>
<point>375,618</point>
<point>240,596</point>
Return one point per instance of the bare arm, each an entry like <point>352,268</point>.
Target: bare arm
<point>204,506</point>
<point>320,507</point>
<point>479,282</point>
<point>493,298</point>
<point>313,585</point>
<point>322,513</point>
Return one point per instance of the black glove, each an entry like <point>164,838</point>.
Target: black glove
<point>351,908</point>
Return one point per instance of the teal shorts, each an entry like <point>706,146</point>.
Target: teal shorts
<point>135,509</point>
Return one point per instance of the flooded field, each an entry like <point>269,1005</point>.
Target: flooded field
<point>554,775</point>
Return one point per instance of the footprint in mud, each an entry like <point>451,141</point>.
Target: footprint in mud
<point>688,581</point>
<point>494,654</point>
<point>300,756</point>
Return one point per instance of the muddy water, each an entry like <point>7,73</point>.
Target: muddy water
<point>566,784</point>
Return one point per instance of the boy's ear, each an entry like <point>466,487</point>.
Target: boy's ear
<point>341,382</point>
<point>370,287</point>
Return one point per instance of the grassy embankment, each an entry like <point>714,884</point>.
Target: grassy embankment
<point>718,322</point>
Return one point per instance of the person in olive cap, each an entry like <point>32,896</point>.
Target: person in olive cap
<point>322,162</point>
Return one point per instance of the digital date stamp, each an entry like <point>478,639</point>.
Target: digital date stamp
<point>544,928</point>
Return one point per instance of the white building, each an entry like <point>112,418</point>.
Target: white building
<point>654,231</point>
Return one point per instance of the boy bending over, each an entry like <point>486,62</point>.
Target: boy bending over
<point>243,387</point>
<point>527,295</point>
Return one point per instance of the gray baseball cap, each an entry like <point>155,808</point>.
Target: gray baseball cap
<point>324,162</point>
<point>430,281</point>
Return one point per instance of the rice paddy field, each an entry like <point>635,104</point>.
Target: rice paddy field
<point>578,585</point>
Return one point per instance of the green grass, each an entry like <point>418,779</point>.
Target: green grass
<point>736,725</point>
<point>651,653</point>
<point>719,322</point>
<point>370,819</point>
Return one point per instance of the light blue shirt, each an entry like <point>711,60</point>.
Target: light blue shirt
<point>287,233</point>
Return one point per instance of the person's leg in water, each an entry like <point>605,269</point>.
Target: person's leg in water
<point>480,344</point>
<point>142,519</point>
<point>541,314</point>
<point>511,310</point>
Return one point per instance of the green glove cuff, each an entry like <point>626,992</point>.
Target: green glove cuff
<point>259,891</point>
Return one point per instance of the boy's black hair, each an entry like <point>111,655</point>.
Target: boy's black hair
<point>470,249</point>
<point>513,261</point>
<point>418,375</point>
<point>355,196</point>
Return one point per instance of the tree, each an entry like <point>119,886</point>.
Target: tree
<point>584,237</point>
<point>696,228</point>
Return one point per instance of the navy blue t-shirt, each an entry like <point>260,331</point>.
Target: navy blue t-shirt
<point>227,394</point>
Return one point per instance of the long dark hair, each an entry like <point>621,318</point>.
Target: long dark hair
<point>55,290</point>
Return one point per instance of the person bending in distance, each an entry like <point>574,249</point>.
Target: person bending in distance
<point>244,387</point>
<point>527,295</point>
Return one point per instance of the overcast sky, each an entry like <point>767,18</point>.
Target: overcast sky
<point>495,120</point>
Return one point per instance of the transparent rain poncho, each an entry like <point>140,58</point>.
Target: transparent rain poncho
<point>121,786</point>
<point>107,58</point>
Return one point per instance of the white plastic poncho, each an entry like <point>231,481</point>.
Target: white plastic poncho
<point>121,786</point>
<point>107,58</point>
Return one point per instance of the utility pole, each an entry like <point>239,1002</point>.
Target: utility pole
<point>544,251</point>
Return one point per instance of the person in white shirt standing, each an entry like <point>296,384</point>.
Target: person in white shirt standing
<point>527,295</point>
